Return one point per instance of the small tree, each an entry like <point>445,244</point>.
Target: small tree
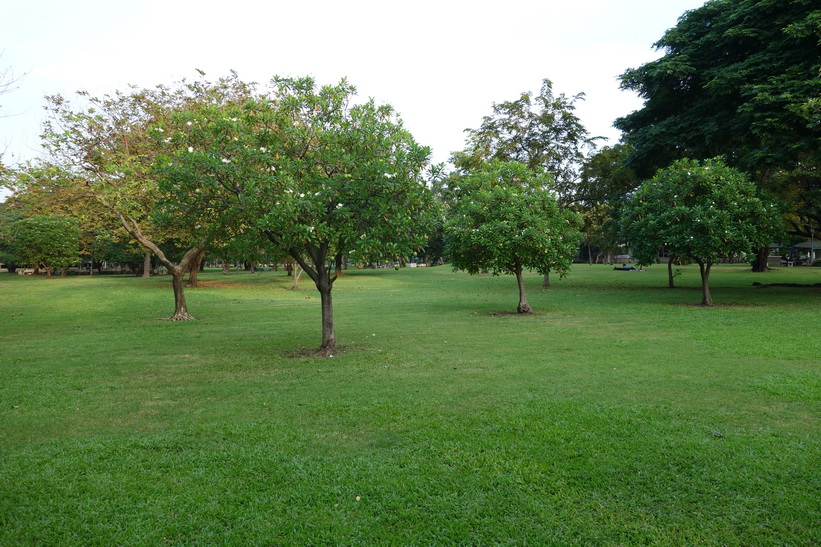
<point>702,211</point>
<point>50,241</point>
<point>505,220</point>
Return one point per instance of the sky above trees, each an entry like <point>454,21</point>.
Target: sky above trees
<point>441,64</point>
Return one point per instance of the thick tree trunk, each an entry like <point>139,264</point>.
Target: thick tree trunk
<point>64,272</point>
<point>180,307</point>
<point>147,266</point>
<point>704,267</point>
<point>523,307</point>
<point>760,262</point>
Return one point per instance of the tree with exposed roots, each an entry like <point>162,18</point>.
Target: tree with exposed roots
<point>702,211</point>
<point>507,221</point>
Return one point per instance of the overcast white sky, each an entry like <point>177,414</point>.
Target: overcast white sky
<point>440,63</point>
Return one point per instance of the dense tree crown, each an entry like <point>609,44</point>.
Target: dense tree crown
<point>506,220</point>
<point>321,176</point>
<point>739,79</point>
<point>703,211</point>
<point>48,241</point>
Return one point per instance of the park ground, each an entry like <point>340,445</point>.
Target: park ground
<point>621,412</point>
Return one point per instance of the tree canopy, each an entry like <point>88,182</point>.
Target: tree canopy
<point>541,131</point>
<point>701,210</point>
<point>322,176</point>
<point>48,241</point>
<point>740,79</point>
<point>507,220</point>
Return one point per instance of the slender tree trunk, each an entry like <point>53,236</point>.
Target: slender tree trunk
<point>177,271</point>
<point>147,266</point>
<point>297,273</point>
<point>523,307</point>
<point>706,299</point>
<point>670,280</point>
<point>328,346</point>
<point>546,281</point>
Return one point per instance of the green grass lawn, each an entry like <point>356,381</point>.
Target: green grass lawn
<point>619,413</point>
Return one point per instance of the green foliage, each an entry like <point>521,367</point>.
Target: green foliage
<point>507,219</point>
<point>733,80</point>
<point>701,210</point>
<point>8,216</point>
<point>604,184</point>
<point>738,79</point>
<point>320,175</point>
<point>541,131</point>
<point>51,241</point>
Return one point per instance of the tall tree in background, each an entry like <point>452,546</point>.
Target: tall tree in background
<point>739,79</point>
<point>541,131</point>
<point>604,183</point>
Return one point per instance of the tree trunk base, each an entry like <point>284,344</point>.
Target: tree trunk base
<point>180,317</point>
<point>525,310</point>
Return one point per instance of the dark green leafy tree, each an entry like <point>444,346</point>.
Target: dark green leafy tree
<point>603,186</point>
<point>47,241</point>
<point>703,211</point>
<point>323,177</point>
<point>8,216</point>
<point>541,131</point>
<point>739,79</point>
<point>505,220</point>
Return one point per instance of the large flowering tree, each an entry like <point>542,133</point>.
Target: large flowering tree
<point>321,176</point>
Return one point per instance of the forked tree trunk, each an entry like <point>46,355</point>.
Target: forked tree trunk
<point>297,274</point>
<point>523,307</point>
<point>147,266</point>
<point>64,272</point>
<point>704,267</point>
<point>177,271</point>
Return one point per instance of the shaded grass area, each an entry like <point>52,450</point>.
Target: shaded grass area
<point>619,413</point>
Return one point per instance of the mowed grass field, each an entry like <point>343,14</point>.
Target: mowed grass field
<point>620,413</point>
